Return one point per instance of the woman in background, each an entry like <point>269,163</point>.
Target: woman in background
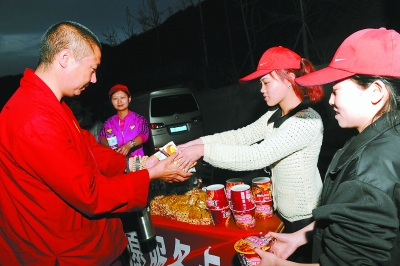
<point>287,139</point>
<point>357,222</point>
<point>131,129</point>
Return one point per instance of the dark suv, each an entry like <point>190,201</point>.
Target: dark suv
<point>174,115</point>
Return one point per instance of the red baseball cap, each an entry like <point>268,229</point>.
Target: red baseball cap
<point>275,58</point>
<point>369,51</point>
<point>118,87</point>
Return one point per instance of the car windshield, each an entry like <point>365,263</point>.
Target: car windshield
<point>173,104</point>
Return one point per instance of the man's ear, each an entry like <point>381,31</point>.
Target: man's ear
<point>378,91</point>
<point>63,57</point>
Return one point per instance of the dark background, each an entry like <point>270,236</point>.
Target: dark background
<point>210,46</point>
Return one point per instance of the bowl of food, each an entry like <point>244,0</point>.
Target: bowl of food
<point>245,249</point>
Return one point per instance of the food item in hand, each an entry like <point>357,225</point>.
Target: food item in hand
<point>167,150</point>
<point>170,148</point>
<point>245,249</point>
<point>160,156</point>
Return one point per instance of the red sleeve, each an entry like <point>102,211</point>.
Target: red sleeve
<point>109,161</point>
<point>69,167</point>
<point>113,163</point>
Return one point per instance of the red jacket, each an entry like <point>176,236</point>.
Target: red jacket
<point>59,189</point>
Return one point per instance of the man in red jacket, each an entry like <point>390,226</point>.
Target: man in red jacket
<point>59,189</point>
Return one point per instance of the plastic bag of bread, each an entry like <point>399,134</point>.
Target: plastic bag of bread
<point>189,208</point>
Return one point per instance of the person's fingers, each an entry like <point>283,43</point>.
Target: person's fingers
<point>170,158</point>
<point>266,257</point>
<point>185,165</point>
<point>272,234</point>
<point>176,158</point>
<point>258,251</point>
<point>179,161</point>
<point>271,249</point>
<point>261,252</point>
<point>183,175</point>
<point>173,155</point>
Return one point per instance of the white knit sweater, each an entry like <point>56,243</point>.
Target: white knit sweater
<point>291,151</point>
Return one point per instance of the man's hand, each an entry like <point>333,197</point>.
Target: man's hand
<point>151,161</point>
<point>167,171</point>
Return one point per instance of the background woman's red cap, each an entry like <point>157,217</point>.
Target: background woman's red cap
<point>275,58</point>
<point>118,87</point>
<point>373,52</point>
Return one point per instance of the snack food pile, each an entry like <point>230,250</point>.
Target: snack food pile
<point>189,207</point>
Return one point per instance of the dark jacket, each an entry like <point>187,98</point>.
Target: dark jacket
<point>357,222</point>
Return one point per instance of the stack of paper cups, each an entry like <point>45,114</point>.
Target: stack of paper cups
<point>243,206</point>
<point>218,205</point>
<point>261,189</point>
<point>229,184</point>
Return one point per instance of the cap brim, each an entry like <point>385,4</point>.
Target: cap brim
<point>323,76</point>
<point>256,74</point>
<point>112,92</point>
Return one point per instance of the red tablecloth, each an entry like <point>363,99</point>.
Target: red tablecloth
<point>186,244</point>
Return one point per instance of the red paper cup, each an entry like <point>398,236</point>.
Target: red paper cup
<point>230,183</point>
<point>245,249</point>
<point>221,217</point>
<point>261,189</point>
<point>245,219</point>
<point>241,198</point>
<point>216,197</point>
<point>264,210</point>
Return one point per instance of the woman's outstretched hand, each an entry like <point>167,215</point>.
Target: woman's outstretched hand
<point>190,143</point>
<point>188,156</point>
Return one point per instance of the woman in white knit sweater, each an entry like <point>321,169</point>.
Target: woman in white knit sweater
<point>287,138</point>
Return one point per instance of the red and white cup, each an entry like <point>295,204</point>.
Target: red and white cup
<point>222,217</point>
<point>264,210</point>
<point>241,198</point>
<point>261,189</point>
<point>230,183</point>
<point>216,197</point>
<point>245,249</point>
<point>245,219</point>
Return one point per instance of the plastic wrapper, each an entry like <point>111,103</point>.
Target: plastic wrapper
<point>189,207</point>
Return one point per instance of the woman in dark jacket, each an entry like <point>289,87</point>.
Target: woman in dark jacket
<point>357,222</point>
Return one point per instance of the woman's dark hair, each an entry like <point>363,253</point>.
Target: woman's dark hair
<point>393,86</point>
<point>315,93</point>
